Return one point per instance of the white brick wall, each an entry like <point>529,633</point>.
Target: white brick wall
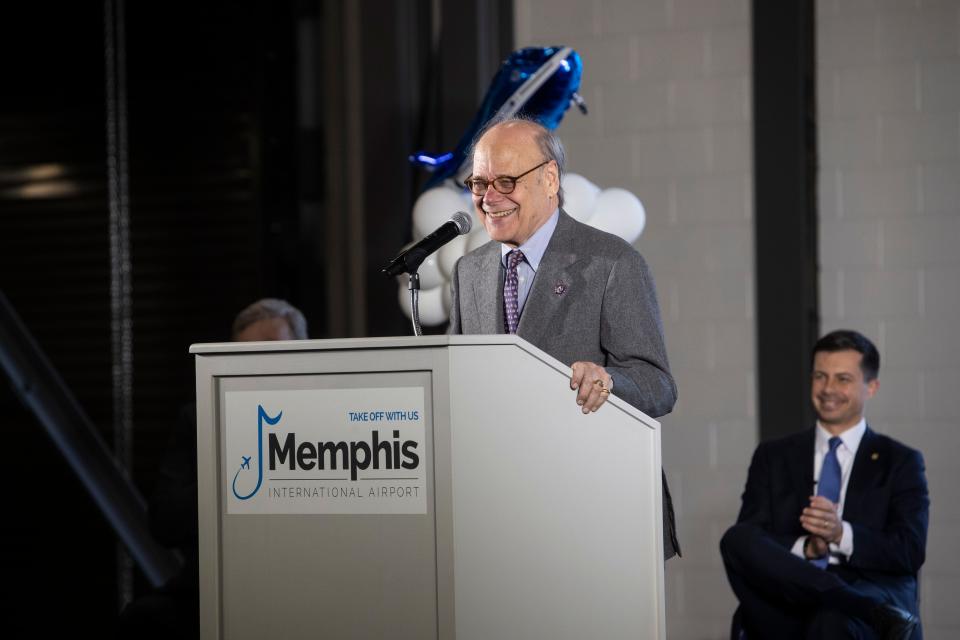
<point>668,86</point>
<point>889,133</point>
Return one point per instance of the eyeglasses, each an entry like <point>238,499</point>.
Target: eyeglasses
<point>503,184</point>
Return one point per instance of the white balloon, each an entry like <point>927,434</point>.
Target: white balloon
<point>619,212</point>
<point>579,196</point>
<point>446,295</point>
<point>429,271</point>
<point>478,237</point>
<point>450,253</point>
<point>433,208</point>
<point>432,310</point>
<point>467,201</point>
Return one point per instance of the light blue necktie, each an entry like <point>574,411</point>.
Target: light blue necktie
<point>829,485</point>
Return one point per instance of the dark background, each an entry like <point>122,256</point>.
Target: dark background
<point>251,149</point>
<point>265,155</point>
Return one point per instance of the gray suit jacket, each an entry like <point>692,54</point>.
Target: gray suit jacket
<point>593,300</point>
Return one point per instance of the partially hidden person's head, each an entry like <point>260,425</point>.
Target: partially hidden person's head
<point>269,319</point>
<point>846,366</point>
<point>517,168</point>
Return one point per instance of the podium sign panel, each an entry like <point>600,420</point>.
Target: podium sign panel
<point>326,451</point>
<point>440,487</point>
<point>324,552</point>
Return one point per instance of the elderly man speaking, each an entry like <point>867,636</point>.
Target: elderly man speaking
<point>582,295</point>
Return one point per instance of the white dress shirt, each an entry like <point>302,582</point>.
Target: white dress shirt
<point>846,453</point>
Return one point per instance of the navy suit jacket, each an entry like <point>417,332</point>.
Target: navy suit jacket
<point>886,504</point>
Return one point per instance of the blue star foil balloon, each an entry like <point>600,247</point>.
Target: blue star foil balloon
<point>538,82</point>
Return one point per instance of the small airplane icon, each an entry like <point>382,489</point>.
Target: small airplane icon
<point>246,462</point>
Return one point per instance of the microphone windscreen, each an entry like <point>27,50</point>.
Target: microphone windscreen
<point>463,222</point>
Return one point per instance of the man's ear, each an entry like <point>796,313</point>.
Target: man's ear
<point>552,173</point>
<point>872,387</point>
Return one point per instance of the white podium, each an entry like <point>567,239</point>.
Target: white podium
<point>436,487</point>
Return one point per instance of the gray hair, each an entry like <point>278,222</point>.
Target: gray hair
<point>267,308</point>
<point>549,143</point>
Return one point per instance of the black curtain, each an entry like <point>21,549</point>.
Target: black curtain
<point>227,167</point>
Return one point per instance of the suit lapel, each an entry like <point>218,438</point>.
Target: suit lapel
<point>488,291</point>
<point>543,302</point>
<point>801,467</point>
<point>863,475</point>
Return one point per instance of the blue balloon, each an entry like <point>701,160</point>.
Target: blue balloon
<point>538,82</point>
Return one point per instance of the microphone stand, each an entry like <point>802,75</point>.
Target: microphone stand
<point>414,287</point>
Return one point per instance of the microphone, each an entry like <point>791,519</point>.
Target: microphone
<point>409,261</point>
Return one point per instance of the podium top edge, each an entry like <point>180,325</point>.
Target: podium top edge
<point>401,342</point>
<point>338,344</point>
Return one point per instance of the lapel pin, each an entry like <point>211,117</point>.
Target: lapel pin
<point>560,288</point>
<point>874,456</point>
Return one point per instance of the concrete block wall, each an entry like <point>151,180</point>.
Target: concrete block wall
<point>668,87</point>
<point>888,83</point>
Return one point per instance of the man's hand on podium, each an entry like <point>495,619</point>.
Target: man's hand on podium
<point>593,385</point>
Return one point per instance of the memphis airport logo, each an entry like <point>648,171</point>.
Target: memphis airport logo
<point>330,451</point>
